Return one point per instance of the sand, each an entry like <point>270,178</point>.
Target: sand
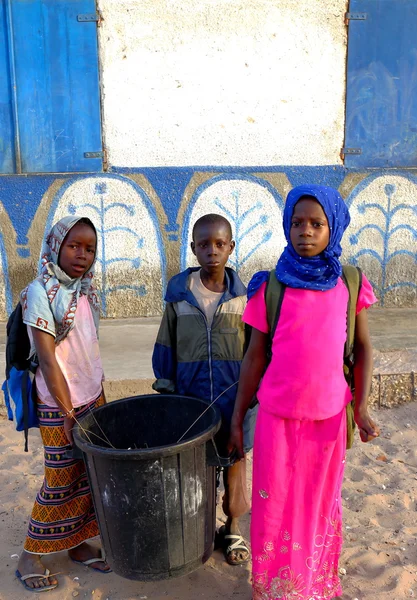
<point>379,559</point>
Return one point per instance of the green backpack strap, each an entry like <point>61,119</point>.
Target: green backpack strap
<point>352,277</point>
<point>274,294</point>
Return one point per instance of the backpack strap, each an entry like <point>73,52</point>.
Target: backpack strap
<point>25,401</point>
<point>274,295</point>
<point>352,277</point>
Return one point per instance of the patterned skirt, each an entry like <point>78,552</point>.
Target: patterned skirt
<point>63,516</point>
<point>296,526</point>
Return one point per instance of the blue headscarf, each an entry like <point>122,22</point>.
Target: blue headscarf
<point>318,272</point>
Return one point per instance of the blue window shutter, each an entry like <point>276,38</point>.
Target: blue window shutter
<point>381,97</point>
<point>58,98</point>
<point>7,144</point>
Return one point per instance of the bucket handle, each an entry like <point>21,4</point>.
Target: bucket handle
<point>214,459</point>
<point>205,410</point>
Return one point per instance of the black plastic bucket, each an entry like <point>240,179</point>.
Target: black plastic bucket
<point>155,499</point>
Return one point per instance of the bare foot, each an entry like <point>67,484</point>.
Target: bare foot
<point>31,563</point>
<point>86,552</point>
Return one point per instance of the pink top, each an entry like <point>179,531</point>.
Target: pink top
<point>305,377</point>
<point>78,355</point>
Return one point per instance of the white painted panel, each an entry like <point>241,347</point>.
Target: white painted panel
<point>226,82</point>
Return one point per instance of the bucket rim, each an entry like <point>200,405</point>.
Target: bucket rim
<point>155,451</point>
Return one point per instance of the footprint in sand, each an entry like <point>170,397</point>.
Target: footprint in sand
<point>356,475</point>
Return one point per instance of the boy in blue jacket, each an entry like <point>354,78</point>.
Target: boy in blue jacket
<point>199,349</point>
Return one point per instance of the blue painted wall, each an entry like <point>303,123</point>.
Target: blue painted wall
<point>381,102</point>
<point>49,92</point>
<point>144,217</point>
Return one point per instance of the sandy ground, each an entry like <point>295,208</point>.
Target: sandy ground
<point>380,523</point>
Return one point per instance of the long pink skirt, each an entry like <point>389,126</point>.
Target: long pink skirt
<point>296,528</point>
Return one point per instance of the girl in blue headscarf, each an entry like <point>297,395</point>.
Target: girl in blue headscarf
<point>300,439</point>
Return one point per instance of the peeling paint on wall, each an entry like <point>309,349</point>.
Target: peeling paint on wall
<point>143,241</point>
<point>130,267</point>
<point>194,92</point>
<point>253,208</point>
<point>383,235</point>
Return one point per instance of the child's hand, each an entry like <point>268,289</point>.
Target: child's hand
<point>368,430</point>
<point>235,443</point>
<point>69,423</point>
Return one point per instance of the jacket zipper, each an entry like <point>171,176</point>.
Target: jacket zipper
<point>209,330</point>
<point>210,360</point>
<point>210,363</point>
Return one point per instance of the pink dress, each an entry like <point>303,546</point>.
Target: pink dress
<point>300,445</point>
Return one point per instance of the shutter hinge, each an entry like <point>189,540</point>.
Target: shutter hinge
<point>345,151</point>
<point>90,17</point>
<point>93,154</point>
<point>355,16</point>
<point>102,155</point>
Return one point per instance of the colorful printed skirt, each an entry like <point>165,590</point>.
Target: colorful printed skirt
<point>63,515</point>
<point>296,527</point>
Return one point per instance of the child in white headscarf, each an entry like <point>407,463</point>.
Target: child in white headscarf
<point>61,309</point>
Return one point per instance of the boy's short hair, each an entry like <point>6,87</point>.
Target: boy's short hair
<point>211,218</point>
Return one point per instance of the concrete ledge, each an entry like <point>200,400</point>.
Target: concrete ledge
<point>393,390</point>
<point>394,340</point>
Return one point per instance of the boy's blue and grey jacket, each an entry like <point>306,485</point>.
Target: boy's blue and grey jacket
<point>192,359</point>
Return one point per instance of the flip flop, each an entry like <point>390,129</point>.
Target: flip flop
<point>229,543</point>
<point>91,561</point>
<point>46,588</point>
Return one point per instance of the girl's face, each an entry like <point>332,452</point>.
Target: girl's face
<point>78,250</point>
<point>310,232</point>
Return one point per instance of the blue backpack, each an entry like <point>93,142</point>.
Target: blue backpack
<point>19,387</point>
